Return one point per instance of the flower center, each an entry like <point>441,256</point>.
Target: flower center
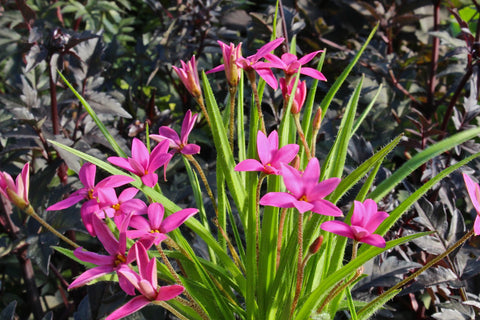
<point>116,206</point>
<point>303,198</point>
<point>90,194</point>
<point>154,231</point>
<point>119,259</point>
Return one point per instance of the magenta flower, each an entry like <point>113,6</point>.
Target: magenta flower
<point>119,207</point>
<point>189,75</point>
<point>300,94</point>
<point>146,283</point>
<point>115,261</point>
<point>290,64</point>
<point>90,193</point>
<point>230,56</point>
<point>306,193</point>
<point>474,193</point>
<point>252,63</point>
<point>142,163</point>
<point>365,220</point>
<point>153,230</point>
<point>179,144</point>
<point>271,158</point>
<point>16,191</point>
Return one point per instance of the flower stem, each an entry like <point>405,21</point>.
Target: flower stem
<point>205,181</point>
<point>232,90</point>
<point>171,309</point>
<point>31,212</point>
<point>236,258</point>
<point>296,117</point>
<point>431,263</point>
<point>298,288</point>
<point>204,110</point>
<point>192,301</point>
<point>339,288</point>
<point>253,83</point>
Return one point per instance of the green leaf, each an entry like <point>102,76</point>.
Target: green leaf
<point>397,213</point>
<point>335,162</point>
<point>222,145</point>
<point>338,83</point>
<point>420,158</point>
<point>349,181</point>
<point>312,299</point>
<point>95,118</point>
<point>366,314</point>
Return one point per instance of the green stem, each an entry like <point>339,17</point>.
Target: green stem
<point>204,111</point>
<point>192,301</point>
<point>171,309</point>
<point>31,212</point>
<point>253,83</point>
<point>431,263</point>
<point>233,91</point>
<point>339,288</point>
<point>296,117</point>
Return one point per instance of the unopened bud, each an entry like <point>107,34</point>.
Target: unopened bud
<point>317,121</point>
<point>16,199</point>
<point>315,246</point>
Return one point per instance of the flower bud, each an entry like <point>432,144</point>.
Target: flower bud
<point>315,246</point>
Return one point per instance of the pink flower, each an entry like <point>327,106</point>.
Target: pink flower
<point>153,230</point>
<point>179,144</point>
<point>90,192</point>
<point>289,63</point>
<point>252,63</point>
<point>189,75</point>
<point>271,158</point>
<point>306,193</point>
<point>474,193</point>
<point>146,283</point>
<point>365,220</point>
<point>119,207</point>
<point>16,192</point>
<point>115,261</point>
<point>300,94</point>
<point>230,56</point>
<point>142,163</point>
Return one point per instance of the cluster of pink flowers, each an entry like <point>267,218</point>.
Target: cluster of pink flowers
<point>233,62</point>
<point>146,224</point>
<point>306,193</point>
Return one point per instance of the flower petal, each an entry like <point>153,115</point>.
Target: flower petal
<point>169,292</point>
<point>264,148</point>
<point>326,208</point>
<point>190,148</point>
<point>249,165</point>
<point>338,227</point>
<point>70,201</point>
<point>278,199</point>
<point>87,174</point>
<point>140,152</point>
<point>293,181</point>
<point>130,307</point>
<point>155,215</point>
<point>313,73</point>
<point>174,220</point>
<point>90,275</point>
<point>374,240</point>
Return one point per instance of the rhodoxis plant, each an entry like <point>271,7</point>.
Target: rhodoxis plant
<point>268,257</point>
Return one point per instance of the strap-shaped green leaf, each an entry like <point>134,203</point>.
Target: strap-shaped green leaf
<point>95,118</point>
<point>310,300</point>
<point>420,158</point>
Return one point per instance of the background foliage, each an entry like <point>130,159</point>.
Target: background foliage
<point>118,55</point>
